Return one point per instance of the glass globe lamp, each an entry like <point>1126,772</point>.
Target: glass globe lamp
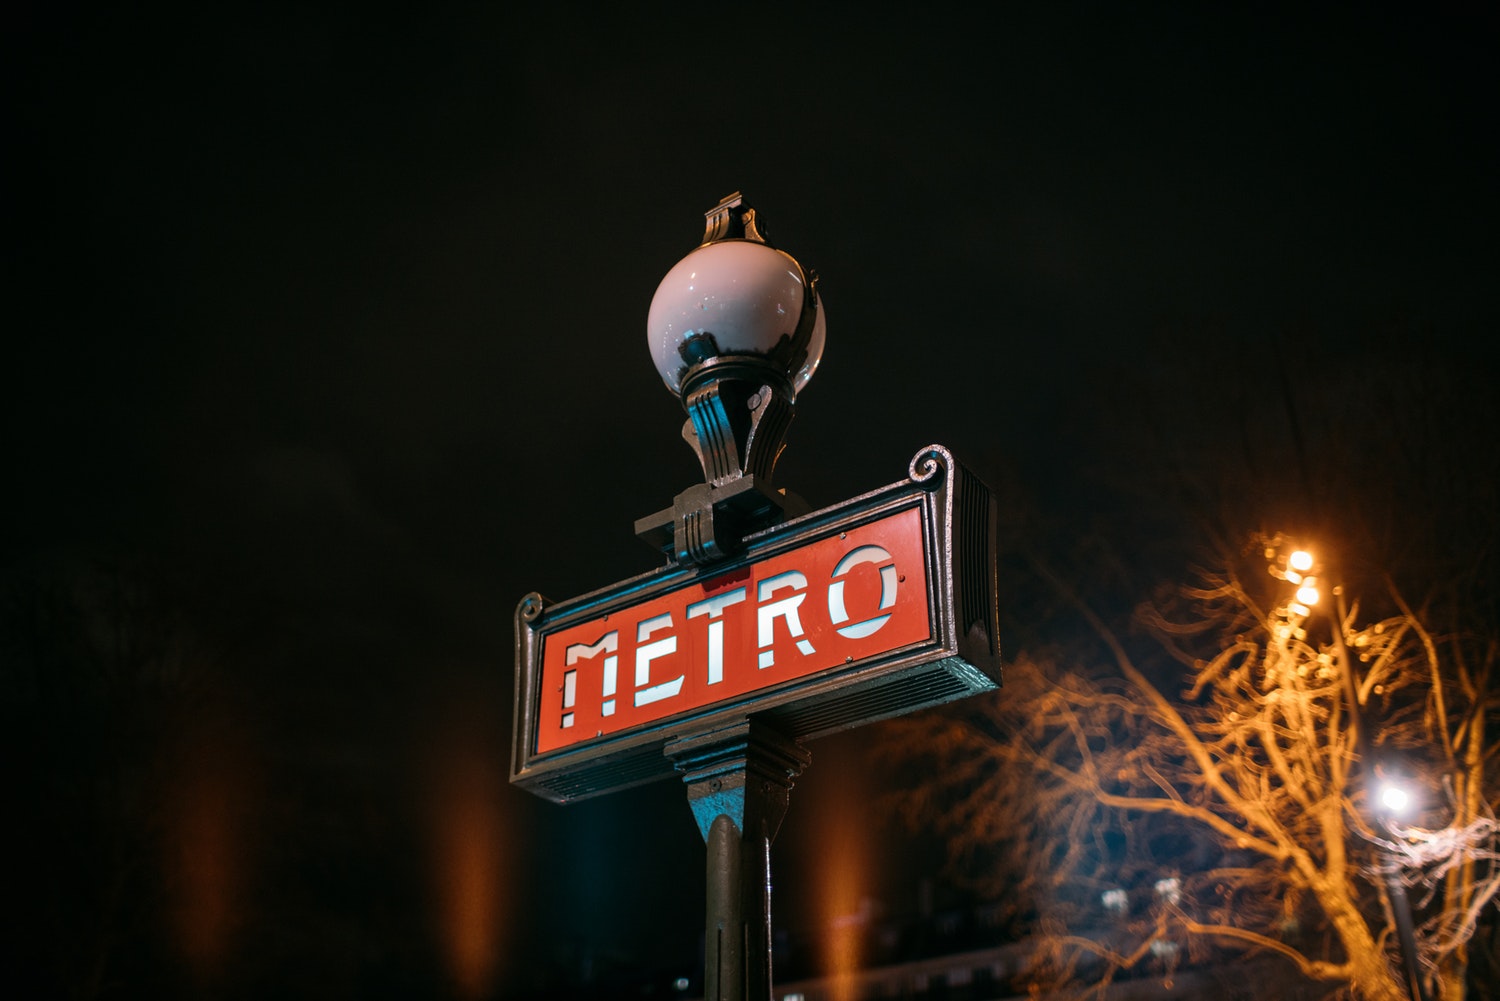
<point>736,299</point>
<point>736,329</point>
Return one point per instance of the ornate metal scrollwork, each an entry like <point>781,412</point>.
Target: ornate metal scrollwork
<point>931,466</point>
<point>531,607</point>
<point>731,219</point>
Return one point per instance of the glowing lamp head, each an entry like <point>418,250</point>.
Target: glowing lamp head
<point>736,329</point>
<point>1394,799</point>
<point>736,301</point>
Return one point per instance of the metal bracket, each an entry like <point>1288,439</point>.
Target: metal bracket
<point>707,523</point>
<point>743,771</point>
<point>736,427</point>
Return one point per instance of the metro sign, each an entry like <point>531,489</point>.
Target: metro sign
<point>844,598</point>
<point>867,609</point>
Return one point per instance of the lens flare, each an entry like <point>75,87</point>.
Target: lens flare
<point>468,839</point>
<point>844,896</point>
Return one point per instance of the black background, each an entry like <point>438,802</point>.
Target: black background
<point>333,318</point>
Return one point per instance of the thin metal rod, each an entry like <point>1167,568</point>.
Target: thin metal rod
<point>1401,908</point>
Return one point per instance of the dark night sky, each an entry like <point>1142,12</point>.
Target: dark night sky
<point>339,316</point>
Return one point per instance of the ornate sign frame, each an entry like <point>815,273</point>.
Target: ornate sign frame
<point>959,655</point>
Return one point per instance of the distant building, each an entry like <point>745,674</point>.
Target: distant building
<point>956,955</point>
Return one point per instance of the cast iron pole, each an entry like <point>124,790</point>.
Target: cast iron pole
<point>739,778</point>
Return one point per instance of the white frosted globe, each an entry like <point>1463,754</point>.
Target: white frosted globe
<point>747,295</point>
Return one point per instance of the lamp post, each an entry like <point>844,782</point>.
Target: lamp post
<point>736,329</point>
<point>1391,800</point>
<point>1300,571</point>
<point>771,623</point>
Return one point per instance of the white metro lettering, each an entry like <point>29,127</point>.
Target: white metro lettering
<point>786,609</point>
<point>842,600</point>
<point>645,653</point>
<point>575,652</point>
<point>714,609</point>
<point>888,578</point>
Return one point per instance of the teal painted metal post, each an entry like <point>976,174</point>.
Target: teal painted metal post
<point>739,779</point>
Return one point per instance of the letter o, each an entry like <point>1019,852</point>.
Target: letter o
<point>888,578</point>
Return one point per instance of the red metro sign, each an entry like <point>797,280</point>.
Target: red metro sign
<point>833,601</point>
<point>874,607</point>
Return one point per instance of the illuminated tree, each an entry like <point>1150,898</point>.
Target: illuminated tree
<point>1228,809</point>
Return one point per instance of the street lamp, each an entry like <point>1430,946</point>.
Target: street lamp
<point>1392,800</point>
<point>771,624</point>
<point>736,329</point>
<point>1389,798</point>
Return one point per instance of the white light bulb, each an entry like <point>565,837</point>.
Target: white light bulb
<point>745,294</point>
